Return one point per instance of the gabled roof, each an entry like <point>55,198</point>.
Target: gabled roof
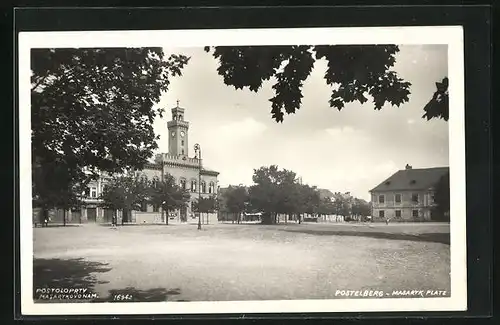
<point>412,179</point>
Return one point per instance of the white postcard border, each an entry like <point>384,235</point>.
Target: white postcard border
<point>450,35</point>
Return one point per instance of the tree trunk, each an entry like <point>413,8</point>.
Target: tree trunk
<point>124,216</point>
<point>64,217</point>
<point>166,216</point>
<point>42,216</point>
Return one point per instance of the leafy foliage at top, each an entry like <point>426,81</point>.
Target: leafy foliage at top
<point>354,72</point>
<point>438,106</point>
<point>93,108</point>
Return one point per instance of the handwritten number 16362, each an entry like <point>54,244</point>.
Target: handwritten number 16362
<point>122,297</point>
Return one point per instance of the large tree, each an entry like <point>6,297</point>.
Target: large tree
<point>206,205</point>
<point>442,198</point>
<point>126,193</point>
<point>167,194</point>
<point>361,208</point>
<point>308,201</point>
<point>93,109</point>
<point>342,204</point>
<point>235,200</point>
<point>271,191</point>
<point>55,188</point>
<point>355,73</point>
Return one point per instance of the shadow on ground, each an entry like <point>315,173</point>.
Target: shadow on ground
<point>442,238</point>
<point>59,273</point>
<point>135,295</point>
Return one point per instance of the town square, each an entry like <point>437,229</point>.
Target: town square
<point>241,262</point>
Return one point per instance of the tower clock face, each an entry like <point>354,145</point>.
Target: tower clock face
<point>182,134</point>
<point>173,134</point>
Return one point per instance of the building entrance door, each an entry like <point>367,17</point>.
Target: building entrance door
<point>183,214</point>
<point>91,214</point>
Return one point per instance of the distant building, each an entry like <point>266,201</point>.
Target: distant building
<point>408,195</point>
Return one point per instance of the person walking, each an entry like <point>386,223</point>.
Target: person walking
<point>114,220</point>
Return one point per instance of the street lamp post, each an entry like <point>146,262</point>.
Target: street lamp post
<point>162,180</point>
<point>197,150</point>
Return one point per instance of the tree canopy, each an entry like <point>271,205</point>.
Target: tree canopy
<point>93,109</point>
<point>442,197</point>
<point>167,194</point>
<point>355,73</point>
<point>271,192</point>
<point>235,200</point>
<point>126,193</point>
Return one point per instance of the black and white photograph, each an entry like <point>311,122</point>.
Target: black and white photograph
<point>240,171</point>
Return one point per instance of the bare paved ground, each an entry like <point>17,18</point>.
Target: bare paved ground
<point>242,262</point>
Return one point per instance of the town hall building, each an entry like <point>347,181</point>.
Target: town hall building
<point>186,168</point>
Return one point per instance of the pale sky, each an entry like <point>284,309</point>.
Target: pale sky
<point>350,150</point>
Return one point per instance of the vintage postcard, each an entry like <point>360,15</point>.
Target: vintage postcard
<point>242,171</point>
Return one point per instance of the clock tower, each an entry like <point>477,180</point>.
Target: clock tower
<point>178,133</point>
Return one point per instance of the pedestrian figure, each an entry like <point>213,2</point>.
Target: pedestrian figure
<point>45,221</point>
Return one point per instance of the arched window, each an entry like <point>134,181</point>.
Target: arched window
<point>180,117</point>
<point>211,188</point>
<point>193,185</point>
<point>183,183</point>
<point>203,187</point>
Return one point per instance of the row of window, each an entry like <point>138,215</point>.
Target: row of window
<point>194,187</point>
<point>414,214</point>
<point>92,191</point>
<point>397,198</point>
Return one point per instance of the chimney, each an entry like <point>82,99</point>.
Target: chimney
<point>408,166</point>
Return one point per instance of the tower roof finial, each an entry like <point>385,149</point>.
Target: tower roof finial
<point>178,103</point>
